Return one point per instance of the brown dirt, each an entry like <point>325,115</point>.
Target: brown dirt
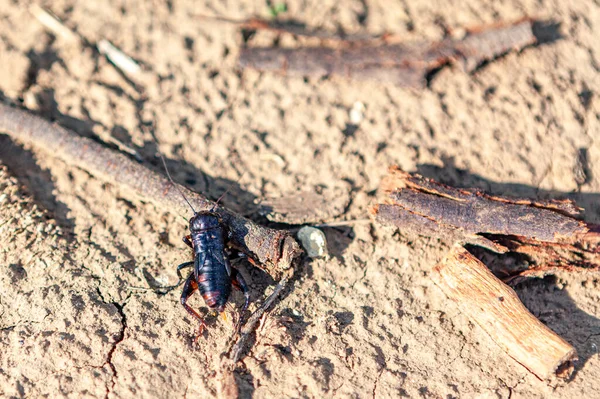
<point>81,309</point>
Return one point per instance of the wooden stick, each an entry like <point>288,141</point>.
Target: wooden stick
<point>226,385</point>
<point>275,250</point>
<point>496,308</point>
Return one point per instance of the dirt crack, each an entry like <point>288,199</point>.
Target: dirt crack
<point>120,338</point>
<point>377,381</point>
<point>511,389</point>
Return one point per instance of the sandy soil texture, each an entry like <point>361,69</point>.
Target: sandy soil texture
<point>83,311</point>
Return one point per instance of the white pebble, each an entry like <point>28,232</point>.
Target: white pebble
<point>356,113</point>
<point>313,241</point>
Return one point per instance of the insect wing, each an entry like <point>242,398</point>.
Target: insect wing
<point>219,256</point>
<point>199,263</point>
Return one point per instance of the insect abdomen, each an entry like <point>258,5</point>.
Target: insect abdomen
<point>213,278</point>
<point>214,284</point>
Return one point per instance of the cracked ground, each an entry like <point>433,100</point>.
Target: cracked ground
<point>85,304</point>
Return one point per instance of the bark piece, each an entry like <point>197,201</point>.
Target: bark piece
<point>406,65</point>
<point>275,250</point>
<point>546,232</point>
<point>478,214</point>
<point>496,308</point>
<point>306,206</point>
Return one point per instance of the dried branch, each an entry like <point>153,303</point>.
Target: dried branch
<point>496,308</point>
<point>275,250</point>
<point>405,65</point>
<point>226,384</point>
<point>546,232</point>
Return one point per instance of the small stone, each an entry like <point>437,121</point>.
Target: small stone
<point>313,241</point>
<point>356,113</point>
<point>458,33</point>
<point>29,100</point>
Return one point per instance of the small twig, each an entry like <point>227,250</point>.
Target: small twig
<point>119,58</point>
<point>344,223</point>
<point>275,250</point>
<point>226,384</point>
<point>236,350</point>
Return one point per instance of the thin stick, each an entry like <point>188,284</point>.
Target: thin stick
<point>236,351</point>
<point>275,250</point>
<point>226,384</point>
<point>344,223</point>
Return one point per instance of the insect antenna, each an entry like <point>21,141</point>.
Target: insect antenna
<point>170,178</point>
<point>226,191</point>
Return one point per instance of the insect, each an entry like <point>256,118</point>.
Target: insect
<point>212,273</point>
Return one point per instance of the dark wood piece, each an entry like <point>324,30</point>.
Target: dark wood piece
<point>548,233</point>
<point>406,65</point>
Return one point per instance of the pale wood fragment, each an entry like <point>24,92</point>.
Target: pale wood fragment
<point>496,308</point>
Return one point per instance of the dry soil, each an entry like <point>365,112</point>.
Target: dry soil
<point>83,265</point>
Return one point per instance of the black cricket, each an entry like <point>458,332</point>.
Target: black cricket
<point>213,275</point>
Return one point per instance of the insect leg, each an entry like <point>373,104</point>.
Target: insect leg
<point>242,253</point>
<point>183,266</point>
<point>188,289</point>
<point>238,282</point>
<point>238,253</point>
<point>188,241</point>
